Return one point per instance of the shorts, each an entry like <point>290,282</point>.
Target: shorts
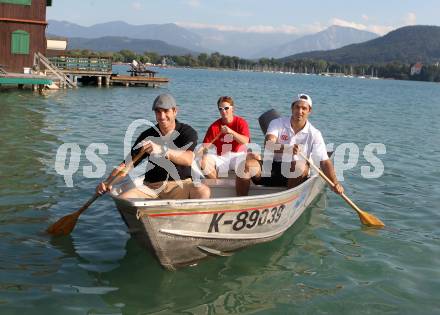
<point>171,189</point>
<point>227,162</point>
<point>276,178</point>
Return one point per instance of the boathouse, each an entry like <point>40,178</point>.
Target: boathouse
<point>22,32</point>
<point>22,35</point>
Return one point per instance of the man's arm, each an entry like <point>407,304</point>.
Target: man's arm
<point>242,139</point>
<point>271,143</point>
<point>209,136</point>
<point>329,171</point>
<point>180,157</point>
<point>188,138</point>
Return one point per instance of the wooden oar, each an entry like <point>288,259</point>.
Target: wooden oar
<point>365,217</point>
<point>66,224</point>
<point>203,147</point>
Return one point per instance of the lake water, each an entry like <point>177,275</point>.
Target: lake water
<point>326,264</point>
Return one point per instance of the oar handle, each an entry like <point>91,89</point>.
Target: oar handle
<point>329,181</point>
<point>112,179</point>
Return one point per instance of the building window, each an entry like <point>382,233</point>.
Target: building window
<point>20,42</point>
<point>22,2</point>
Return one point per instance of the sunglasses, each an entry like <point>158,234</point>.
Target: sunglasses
<point>224,108</point>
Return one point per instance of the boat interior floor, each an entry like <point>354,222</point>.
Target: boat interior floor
<point>220,188</point>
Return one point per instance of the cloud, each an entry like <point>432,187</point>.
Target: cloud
<point>339,22</point>
<point>193,3</point>
<point>410,19</point>
<point>378,29</point>
<point>365,17</point>
<point>136,5</point>
<point>286,29</point>
<point>290,29</point>
<point>312,28</point>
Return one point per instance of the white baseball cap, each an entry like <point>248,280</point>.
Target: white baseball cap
<point>303,98</point>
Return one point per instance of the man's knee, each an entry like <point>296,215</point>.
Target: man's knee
<point>136,193</point>
<point>300,174</point>
<point>208,167</point>
<point>200,192</point>
<point>251,168</point>
<point>299,169</point>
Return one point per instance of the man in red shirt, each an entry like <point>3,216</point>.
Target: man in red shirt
<point>229,134</point>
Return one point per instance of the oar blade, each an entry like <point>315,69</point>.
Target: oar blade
<point>65,225</point>
<point>370,220</point>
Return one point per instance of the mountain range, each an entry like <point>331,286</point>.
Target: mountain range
<point>242,44</point>
<point>169,33</point>
<point>410,44</point>
<point>118,43</point>
<point>331,38</point>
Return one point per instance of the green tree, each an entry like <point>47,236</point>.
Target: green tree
<point>203,59</point>
<point>214,60</point>
<point>128,55</point>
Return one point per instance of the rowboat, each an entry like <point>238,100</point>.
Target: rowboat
<point>183,232</point>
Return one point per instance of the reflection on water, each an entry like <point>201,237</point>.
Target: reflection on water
<point>24,148</point>
<point>218,285</point>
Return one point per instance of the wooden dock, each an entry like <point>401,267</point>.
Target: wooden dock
<point>98,71</point>
<point>21,80</point>
<point>127,80</point>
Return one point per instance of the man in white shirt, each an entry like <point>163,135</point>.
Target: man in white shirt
<point>285,136</point>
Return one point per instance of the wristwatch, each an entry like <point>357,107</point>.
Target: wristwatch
<point>165,151</point>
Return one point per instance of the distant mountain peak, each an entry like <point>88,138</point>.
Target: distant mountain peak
<point>407,44</point>
<point>334,36</point>
<point>118,43</point>
<point>170,33</point>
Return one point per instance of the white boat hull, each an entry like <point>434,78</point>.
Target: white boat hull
<point>182,232</point>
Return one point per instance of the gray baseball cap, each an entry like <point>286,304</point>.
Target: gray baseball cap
<point>164,101</point>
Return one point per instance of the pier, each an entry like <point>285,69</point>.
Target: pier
<point>127,80</point>
<point>21,79</point>
<point>98,71</point>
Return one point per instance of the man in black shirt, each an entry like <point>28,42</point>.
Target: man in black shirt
<point>169,147</point>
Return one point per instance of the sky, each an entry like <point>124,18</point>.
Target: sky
<point>262,16</point>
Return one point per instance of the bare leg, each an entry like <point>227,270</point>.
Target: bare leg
<point>243,181</point>
<point>200,192</point>
<point>207,165</point>
<point>302,171</point>
<point>141,192</point>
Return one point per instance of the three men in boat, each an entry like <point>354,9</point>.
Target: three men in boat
<point>170,144</point>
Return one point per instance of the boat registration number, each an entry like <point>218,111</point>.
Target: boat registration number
<point>247,219</point>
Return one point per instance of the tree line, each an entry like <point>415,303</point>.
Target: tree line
<point>394,70</point>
